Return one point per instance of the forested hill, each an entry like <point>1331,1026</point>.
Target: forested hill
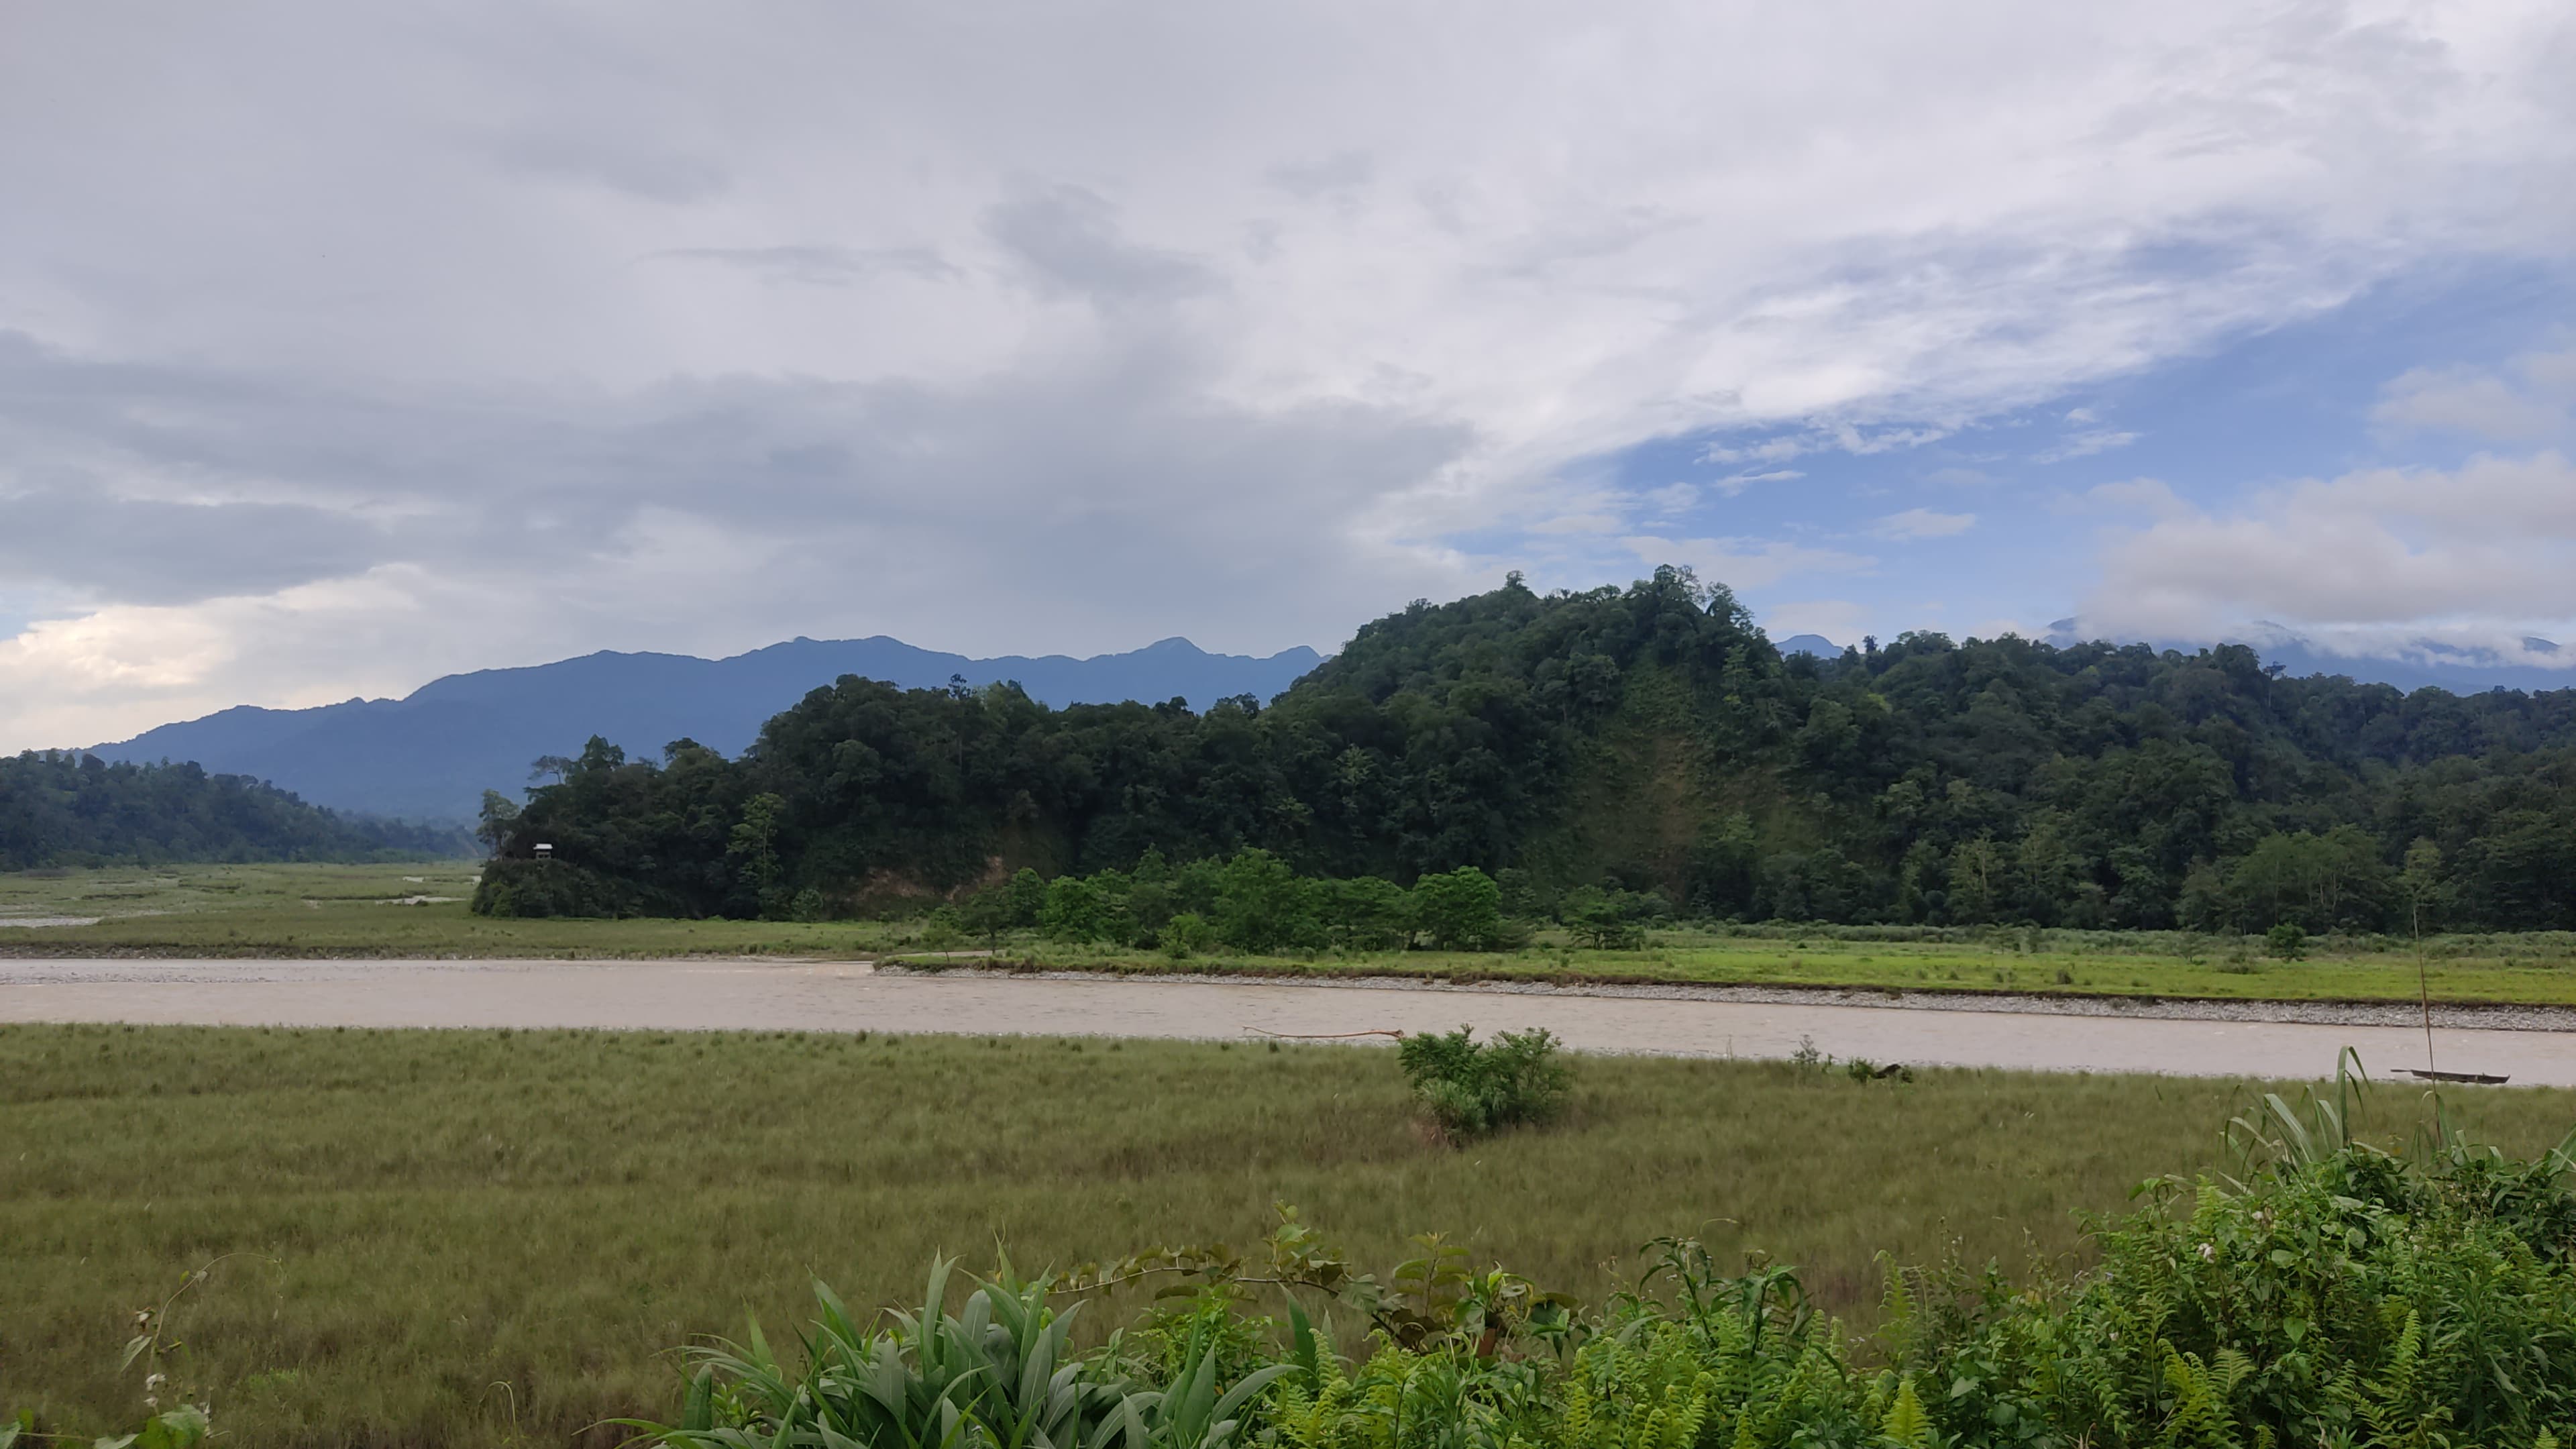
<point>60,808</point>
<point>1651,738</point>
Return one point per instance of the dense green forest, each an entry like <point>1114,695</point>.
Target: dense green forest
<point>1649,740</point>
<point>65,808</point>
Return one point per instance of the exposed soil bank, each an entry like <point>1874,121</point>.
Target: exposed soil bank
<point>847,996</point>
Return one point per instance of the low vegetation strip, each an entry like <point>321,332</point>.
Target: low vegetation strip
<point>2333,1011</point>
<point>415,912</point>
<point>499,1237</point>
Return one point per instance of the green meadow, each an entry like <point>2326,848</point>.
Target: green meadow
<point>446,1237</point>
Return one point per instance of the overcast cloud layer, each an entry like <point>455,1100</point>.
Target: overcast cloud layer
<point>340,348</point>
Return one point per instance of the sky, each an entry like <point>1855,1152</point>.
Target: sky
<point>343,347</point>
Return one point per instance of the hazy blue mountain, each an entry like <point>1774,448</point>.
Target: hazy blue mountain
<point>432,755</point>
<point>1816,644</point>
<point>2425,663</point>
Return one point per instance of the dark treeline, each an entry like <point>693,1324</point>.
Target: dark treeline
<point>65,808</point>
<point>1649,740</point>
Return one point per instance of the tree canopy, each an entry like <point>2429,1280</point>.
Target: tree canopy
<point>1646,740</point>
<point>67,808</point>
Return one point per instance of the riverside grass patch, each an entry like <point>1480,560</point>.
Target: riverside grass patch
<point>398,911</point>
<point>506,1237</point>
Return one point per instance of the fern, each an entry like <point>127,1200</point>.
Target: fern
<point>2203,1415</point>
<point>1908,1424</point>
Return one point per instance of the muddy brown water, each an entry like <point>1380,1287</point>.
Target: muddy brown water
<point>851,996</point>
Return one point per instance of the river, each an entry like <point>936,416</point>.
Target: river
<point>702,994</point>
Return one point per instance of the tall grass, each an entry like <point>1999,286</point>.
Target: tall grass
<point>499,1237</point>
<point>2347,1296</point>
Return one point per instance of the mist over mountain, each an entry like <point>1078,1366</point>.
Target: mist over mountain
<point>2418,664</point>
<point>1816,644</point>
<point>431,755</point>
<point>2425,663</point>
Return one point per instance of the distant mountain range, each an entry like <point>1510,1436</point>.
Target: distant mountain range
<point>2429,662</point>
<point>430,756</point>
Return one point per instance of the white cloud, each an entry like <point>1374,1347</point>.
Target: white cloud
<point>1841,620</point>
<point>1923,523</point>
<point>1887,440</point>
<point>1735,483</point>
<point>1671,498</point>
<point>1775,450</point>
<point>1746,563</point>
<point>2532,401</point>
<point>2085,445</point>
<point>1578,523</point>
<point>2132,495</point>
<point>1827,437</point>
<point>2486,548</point>
<point>1255,308</point>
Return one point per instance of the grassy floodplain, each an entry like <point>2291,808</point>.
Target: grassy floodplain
<point>420,910</point>
<point>497,1237</point>
<point>398,910</point>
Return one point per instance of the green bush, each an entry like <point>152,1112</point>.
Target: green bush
<point>1076,910</point>
<point>2339,1296</point>
<point>1187,934</point>
<point>1262,905</point>
<point>1472,1088</point>
<point>2287,941</point>
<point>1603,920</point>
<point>1459,911</point>
<point>942,929</point>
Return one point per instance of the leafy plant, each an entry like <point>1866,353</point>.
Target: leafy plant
<point>941,930</point>
<point>1471,1088</point>
<point>1598,920</point>
<point>1187,934</point>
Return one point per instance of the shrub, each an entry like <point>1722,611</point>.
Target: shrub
<point>1024,897</point>
<point>1075,911</point>
<point>941,929</point>
<point>1472,1088</point>
<point>2288,941</point>
<point>1366,914</point>
<point>542,888</point>
<point>1600,920</point>
<point>1459,911</point>
<point>986,914</point>
<point>1187,934</point>
<point>1262,905</point>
